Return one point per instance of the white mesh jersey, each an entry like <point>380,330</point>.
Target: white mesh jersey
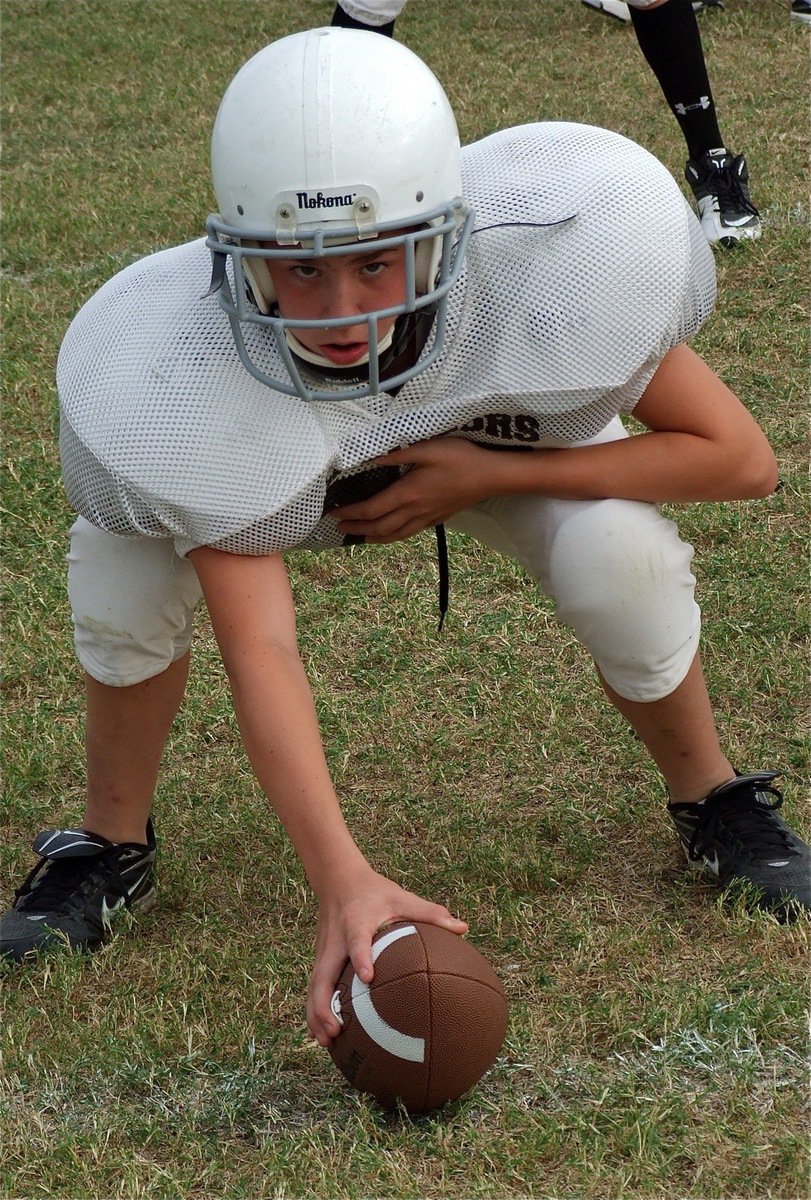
<point>584,268</point>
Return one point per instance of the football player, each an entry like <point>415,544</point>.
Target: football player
<point>398,335</point>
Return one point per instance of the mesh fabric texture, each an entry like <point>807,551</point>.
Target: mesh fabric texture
<point>586,265</point>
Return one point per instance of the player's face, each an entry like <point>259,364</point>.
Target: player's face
<point>320,288</point>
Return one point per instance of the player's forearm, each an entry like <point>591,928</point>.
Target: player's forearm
<point>702,444</point>
<point>279,727</point>
<point>252,612</point>
<point>657,467</point>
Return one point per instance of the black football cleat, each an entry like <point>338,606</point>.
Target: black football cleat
<point>74,894</point>
<point>736,839</point>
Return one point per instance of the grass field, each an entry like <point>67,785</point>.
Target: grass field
<point>657,1044</point>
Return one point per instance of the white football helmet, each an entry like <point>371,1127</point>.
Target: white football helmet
<point>325,139</point>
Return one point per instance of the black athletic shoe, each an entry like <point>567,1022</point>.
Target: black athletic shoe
<point>801,11</point>
<point>74,892</point>
<point>735,837</point>
<point>720,183</point>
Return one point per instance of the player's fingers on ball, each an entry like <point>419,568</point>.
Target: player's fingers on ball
<point>437,914</point>
<point>321,1020</point>
<point>315,1026</point>
<point>360,953</point>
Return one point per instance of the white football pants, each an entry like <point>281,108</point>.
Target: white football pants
<point>616,570</point>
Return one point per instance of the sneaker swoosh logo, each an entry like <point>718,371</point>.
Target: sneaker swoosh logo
<point>712,864</point>
<point>782,862</point>
<point>134,887</point>
<point>108,911</point>
<point>734,221</point>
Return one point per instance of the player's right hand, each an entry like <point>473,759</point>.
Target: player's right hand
<point>348,920</point>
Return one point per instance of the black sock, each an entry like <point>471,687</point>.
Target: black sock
<point>668,36</point>
<point>343,19</point>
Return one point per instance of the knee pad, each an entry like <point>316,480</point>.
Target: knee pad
<point>620,575</point>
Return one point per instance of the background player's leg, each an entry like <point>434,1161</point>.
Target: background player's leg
<point>669,38</point>
<point>378,18</point>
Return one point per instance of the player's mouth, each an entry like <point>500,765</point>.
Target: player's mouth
<point>343,354</point>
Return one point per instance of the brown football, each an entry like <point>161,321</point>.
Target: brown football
<point>428,1026</point>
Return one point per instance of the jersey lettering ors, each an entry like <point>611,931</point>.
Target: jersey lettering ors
<point>505,427</point>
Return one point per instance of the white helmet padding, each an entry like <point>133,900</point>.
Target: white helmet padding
<point>325,139</point>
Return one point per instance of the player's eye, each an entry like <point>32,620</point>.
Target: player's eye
<point>304,271</point>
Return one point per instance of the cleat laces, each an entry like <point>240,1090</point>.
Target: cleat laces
<point>730,190</point>
<point>747,818</point>
<point>51,886</point>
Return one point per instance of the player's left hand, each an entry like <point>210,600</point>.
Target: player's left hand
<point>446,476</point>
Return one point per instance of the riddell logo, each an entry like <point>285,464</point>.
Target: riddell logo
<point>320,200</point>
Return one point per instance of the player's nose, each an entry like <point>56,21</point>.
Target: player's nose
<point>342,296</point>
